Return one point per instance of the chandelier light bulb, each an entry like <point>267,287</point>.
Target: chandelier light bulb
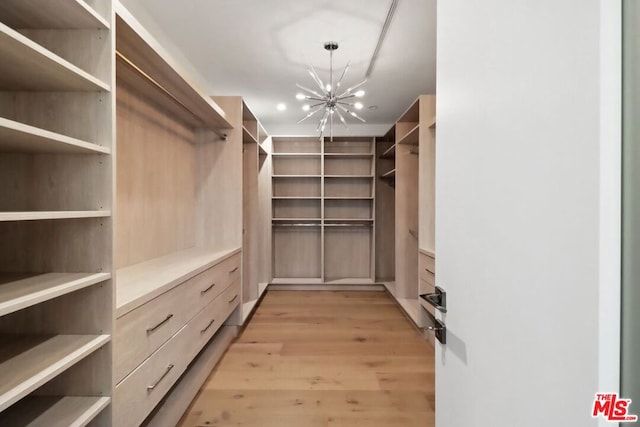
<point>359,93</point>
<point>306,107</point>
<point>300,96</point>
<point>358,105</point>
<point>328,87</point>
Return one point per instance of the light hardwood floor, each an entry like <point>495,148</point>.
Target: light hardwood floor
<point>324,359</point>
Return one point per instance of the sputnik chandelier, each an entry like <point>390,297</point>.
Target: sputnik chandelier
<point>330,99</point>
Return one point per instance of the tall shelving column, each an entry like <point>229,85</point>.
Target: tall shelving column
<point>296,210</point>
<point>56,232</point>
<point>349,211</point>
<point>385,207</point>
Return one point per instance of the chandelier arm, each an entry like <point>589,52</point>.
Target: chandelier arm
<point>313,98</point>
<point>346,110</point>
<point>310,113</point>
<point>340,98</point>
<point>323,122</point>
<point>317,79</point>
<point>342,76</point>
<point>344,122</point>
<point>311,91</point>
<point>352,88</point>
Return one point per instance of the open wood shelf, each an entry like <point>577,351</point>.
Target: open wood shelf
<point>431,124</point>
<point>136,46</point>
<point>389,175</point>
<point>348,198</point>
<point>350,281</point>
<point>51,14</point>
<point>296,219</point>
<point>297,198</point>
<point>18,294</point>
<point>247,137</point>
<point>389,153</point>
<point>348,176</point>
<point>262,151</point>
<point>412,137</point>
<point>29,361</point>
<point>54,411</point>
<point>297,281</point>
<point>28,66</point>
<point>296,154</point>
<point>296,176</point>
<point>140,283</point>
<point>19,137</point>
<point>349,155</point>
<point>45,215</point>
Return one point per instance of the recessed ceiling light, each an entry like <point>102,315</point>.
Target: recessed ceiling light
<point>373,107</point>
<point>281,107</point>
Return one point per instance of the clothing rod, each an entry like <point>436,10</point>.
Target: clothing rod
<point>347,224</point>
<point>138,70</point>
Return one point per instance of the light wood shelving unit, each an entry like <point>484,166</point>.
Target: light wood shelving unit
<point>188,164</point>
<point>385,211</point>
<point>56,267</point>
<point>323,211</point>
<point>413,154</point>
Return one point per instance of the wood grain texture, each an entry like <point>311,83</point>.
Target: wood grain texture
<point>321,359</point>
<point>156,181</point>
<point>49,14</point>
<point>427,174</point>
<point>54,411</point>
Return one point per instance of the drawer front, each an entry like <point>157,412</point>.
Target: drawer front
<point>143,330</point>
<point>140,392</point>
<point>206,286</point>
<point>208,321</point>
<point>427,269</point>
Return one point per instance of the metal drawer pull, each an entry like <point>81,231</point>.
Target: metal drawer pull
<point>208,326</point>
<point>207,290</point>
<point>151,387</point>
<point>233,299</point>
<point>429,271</point>
<point>150,330</point>
<point>234,270</point>
<point>437,299</point>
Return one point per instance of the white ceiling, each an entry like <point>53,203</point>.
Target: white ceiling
<point>259,49</point>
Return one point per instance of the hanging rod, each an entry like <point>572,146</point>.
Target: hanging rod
<point>347,224</point>
<point>137,69</point>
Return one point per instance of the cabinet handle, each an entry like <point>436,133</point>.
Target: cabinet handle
<point>151,387</point>
<point>207,290</point>
<point>150,330</point>
<point>208,326</point>
<point>233,299</point>
<point>430,271</point>
<point>234,270</point>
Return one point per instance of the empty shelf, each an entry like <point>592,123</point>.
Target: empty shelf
<point>139,283</point>
<point>262,151</point>
<point>296,281</point>
<point>247,137</point>
<point>389,153</point>
<point>29,361</point>
<point>389,175</point>
<point>54,411</point>
<point>44,215</point>
<point>19,294</point>
<point>28,66</point>
<point>137,47</point>
<point>51,14</point>
<point>19,137</point>
<point>296,154</point>
<point>412,137</point>
<point>350,155</point>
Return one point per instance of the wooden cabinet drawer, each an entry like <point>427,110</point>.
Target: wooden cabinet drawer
<point>143,330</point>
<point>208,321</point>
<point>206,286</point>
<point>137,395</point>
<point>427,268</point>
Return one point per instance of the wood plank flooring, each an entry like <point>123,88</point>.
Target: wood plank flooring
<point>321,359</point>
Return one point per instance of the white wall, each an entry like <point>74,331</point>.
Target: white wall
<point>519,233</point>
